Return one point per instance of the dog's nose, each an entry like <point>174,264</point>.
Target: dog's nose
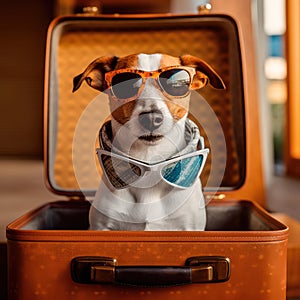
<point>151,120</point>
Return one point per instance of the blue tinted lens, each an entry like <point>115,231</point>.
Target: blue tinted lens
<point>184,172</point>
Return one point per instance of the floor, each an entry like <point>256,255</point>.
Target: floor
<point>283,195</point>
<point>22,188</point>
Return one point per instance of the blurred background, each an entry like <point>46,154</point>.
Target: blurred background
<point>23,29</point>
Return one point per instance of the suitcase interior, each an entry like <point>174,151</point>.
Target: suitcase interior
<point>229,216</point>
<point>73,120</point>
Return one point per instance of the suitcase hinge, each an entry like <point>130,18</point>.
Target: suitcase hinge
<point>90,10</point>
<point>204,8</point>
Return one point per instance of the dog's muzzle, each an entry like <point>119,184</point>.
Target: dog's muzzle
<point>151,120</point>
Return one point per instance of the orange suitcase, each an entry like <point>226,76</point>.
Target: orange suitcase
<point>242,252</point>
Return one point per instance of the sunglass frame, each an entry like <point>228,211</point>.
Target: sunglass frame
<point>151,74</point>
<point>157,167</point>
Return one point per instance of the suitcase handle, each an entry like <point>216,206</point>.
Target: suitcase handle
<point>97,269</point>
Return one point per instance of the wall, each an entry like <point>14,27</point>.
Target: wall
<point>23,26</point>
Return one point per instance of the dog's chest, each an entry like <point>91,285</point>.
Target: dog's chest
<point>150,191</point>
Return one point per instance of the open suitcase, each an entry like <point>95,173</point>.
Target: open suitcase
<point>242,252</point>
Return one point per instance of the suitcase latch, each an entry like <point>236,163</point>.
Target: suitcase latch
<point>105,270</point>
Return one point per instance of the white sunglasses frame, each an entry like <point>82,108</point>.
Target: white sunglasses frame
<point>157,167</point>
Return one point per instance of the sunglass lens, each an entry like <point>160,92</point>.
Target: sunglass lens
<point>175,82</point>
<point>126,85</point>
<point>183,173</point>
<point>120,172</point>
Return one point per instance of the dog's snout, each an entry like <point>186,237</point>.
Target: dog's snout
<point>151,120</point>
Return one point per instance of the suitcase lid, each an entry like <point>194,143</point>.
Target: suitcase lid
<point>73,120</point>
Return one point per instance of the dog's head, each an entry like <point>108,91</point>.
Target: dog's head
<point>148,94</point>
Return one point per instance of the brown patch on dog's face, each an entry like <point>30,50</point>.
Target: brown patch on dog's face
<point>167,61</point>
<point>178,108</point>
<point>129,61</point>
<point>122,113</point>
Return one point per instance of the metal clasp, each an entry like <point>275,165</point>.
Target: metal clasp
<point>104,270</point>
<point>218,268</point>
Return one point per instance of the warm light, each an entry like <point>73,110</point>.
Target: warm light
<point>294,77</point>
<point>275,68</point>
<point>276,91</point>
<point>274,12</point>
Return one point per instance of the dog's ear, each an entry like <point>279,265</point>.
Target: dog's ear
<point>204,72</point>
<point>95,72</point>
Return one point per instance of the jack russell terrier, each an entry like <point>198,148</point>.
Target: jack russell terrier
<point>151,154</point>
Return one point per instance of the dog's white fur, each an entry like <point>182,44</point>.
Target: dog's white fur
<point>161,206</point>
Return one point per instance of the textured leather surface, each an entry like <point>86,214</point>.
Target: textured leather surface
<point>39,260</point>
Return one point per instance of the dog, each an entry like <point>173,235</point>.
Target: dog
<point>147,135</point>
